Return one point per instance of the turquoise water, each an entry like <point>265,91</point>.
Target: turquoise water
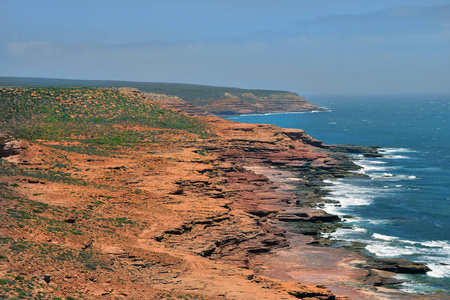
<point>403,208</point>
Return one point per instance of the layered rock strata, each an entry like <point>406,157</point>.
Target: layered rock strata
<point>249,103</point>
<point>155,222</point>
<point>233,103</point>
<point>229,216</point>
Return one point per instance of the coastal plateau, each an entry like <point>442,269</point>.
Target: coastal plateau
<point>107,194</point>
<point>192,98</point>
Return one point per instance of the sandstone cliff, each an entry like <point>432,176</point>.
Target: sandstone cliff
<point>238,102</point>
<point>196,99</point>
<point>116,197</point>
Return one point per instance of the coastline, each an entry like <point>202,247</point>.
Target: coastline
<point>235,117</point>
<point>401,209</point>
<point>232,215</point>
<point>363,282</point>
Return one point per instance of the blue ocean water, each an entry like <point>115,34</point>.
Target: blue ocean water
<point>403,208</point>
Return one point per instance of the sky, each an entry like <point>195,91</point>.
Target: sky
<point>312,47</point>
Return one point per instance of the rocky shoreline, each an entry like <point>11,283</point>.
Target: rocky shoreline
<point>301,173</point>
<point>233,215</point>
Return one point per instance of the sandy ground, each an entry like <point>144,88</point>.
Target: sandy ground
<point>180,220</point>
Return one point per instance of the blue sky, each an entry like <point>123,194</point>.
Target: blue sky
<point>310,47</point>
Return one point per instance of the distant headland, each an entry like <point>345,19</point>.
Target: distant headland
<point>107,193</point>
<point>193,98</point>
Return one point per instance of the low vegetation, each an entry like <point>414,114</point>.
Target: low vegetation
<point>90,119</point>
<point>187,92</point>
<point>213,99</point>
<point>45,245</point>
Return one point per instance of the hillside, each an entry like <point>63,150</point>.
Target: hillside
<point>209,99</point>
<point>105,194</point>
<point>91,119</point>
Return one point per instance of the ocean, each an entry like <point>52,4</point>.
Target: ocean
<point>402,209</point>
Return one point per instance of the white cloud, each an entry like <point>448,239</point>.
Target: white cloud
<point>394,21</point>
<point>402,50</point>
<point>33,48</point>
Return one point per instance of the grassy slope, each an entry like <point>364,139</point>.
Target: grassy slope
<point>93,121</point>
<point>89,117</point>
<point>188,92</point>
<point>198,95</point>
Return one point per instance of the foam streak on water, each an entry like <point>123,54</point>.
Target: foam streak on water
<point>387,181</point>
<point>403,208</point>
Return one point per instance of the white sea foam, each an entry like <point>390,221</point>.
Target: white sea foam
<point>396,153</point>
<point>348,192</point>
<point>351,200</point>
<point>377,222</point>
<point>435,254</point>
<point>397,157</point>
<point>277,113</point>
<point>346,195</point>
<point>359,229</point>
<point>344,233</point>
<point>383,249</point>
<point>391,177</point>
<point>393,238</point>
<point>375,162</point>
<point>439,270</point>
<point>353,220</point>
<point>367,167</point>
<point>396,150</point>
<point>384,237</point>
<point>366,163</point>
<point>438,260</point>
<point>437,244</point>
<point>412,287</point>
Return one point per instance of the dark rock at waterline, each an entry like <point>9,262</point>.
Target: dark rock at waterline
<point>397,265</point>
<point>313,216</point>
<point>326,217</point>
<point>310,231</point>
<point>377,280</point>
<point>372,150</point>
<point>291,218</point>
<point>374,155</point>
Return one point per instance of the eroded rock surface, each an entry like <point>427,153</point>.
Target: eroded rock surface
<point>10,146</point>
<point>209,217</point>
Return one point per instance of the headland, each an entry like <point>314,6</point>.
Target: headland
<point>98,203</point>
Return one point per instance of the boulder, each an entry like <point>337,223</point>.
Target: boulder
<point>10,145</point>
<point>372,150</point>
<point>397,265</point>
<point>303,291</point>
